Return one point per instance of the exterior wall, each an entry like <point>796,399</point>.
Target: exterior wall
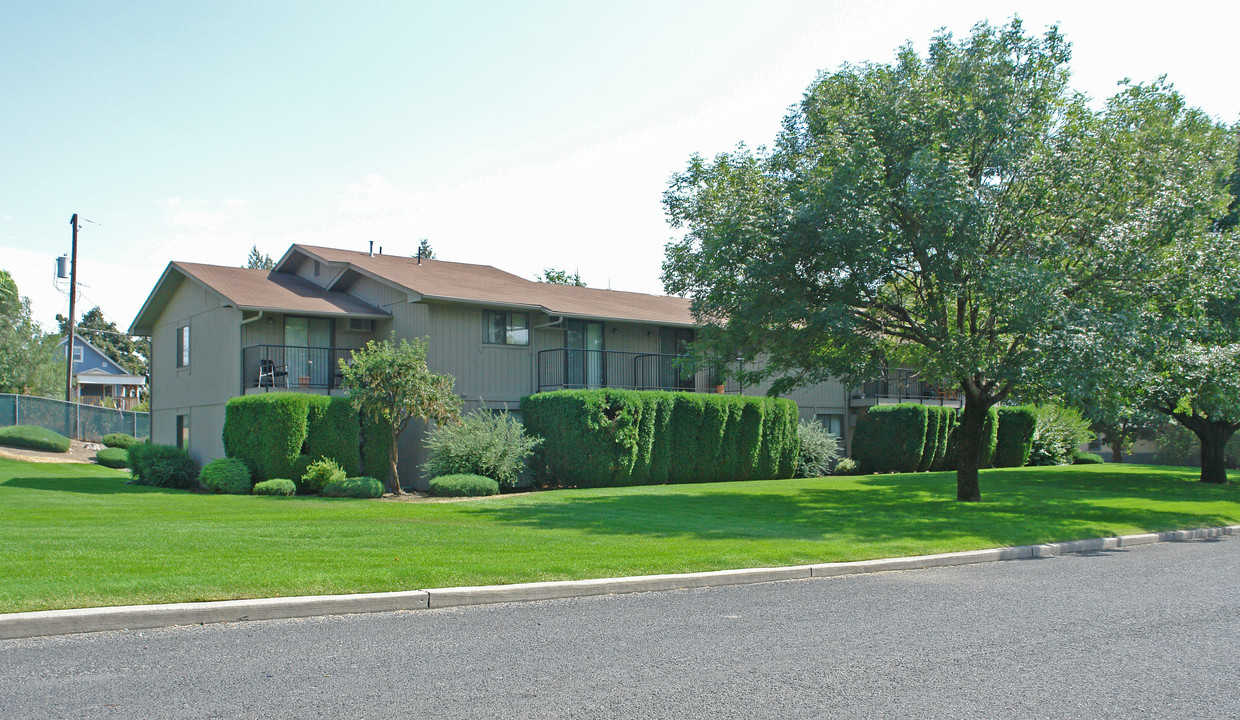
<point>212,377</point>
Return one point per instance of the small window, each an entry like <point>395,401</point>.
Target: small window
<point>833,423</point>
<point>316,268</point>
<point>78,353</point>
<point>506,328</point>
<point>183,432</point>
<point>183,346</point>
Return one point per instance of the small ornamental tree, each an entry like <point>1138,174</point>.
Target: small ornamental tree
<point>391,384</point>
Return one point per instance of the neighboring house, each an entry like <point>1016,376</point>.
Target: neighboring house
<point>99,380</point>
<point>218,332</point>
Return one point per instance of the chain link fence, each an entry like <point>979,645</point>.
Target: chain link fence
<point>75,420</point>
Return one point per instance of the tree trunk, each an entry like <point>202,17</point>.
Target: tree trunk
<point>969,446</point>
<point>392,473</point>
<point>1213,436</point>
<point>1117,451</point>
<point>1213,440</point>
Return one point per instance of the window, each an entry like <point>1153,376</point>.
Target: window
<point>78,353</point>
<point>833,423</point>
<point>183,432</point>
<point>506,328</point>
<point>183,346</point>
<point>316,268</point>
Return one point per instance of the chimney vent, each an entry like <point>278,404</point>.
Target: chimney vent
<point>372,248</point>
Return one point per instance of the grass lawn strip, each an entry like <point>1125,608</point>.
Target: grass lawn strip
<point>77,536</point>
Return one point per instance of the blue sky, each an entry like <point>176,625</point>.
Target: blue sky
<point>522,135</point>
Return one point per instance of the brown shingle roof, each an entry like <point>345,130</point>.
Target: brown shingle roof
<point>483,284</point>
<point>265,290</point>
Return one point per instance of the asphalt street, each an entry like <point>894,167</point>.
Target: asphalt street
<point>1146,632</point>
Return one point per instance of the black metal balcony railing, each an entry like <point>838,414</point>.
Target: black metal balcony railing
<point>905,384</point>
<point>291,366</point>
<point>569,368</point>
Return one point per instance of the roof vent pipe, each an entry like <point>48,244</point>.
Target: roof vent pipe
<point>372,248</point>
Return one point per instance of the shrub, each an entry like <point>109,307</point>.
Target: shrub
<point>120,440</point>
<point>1016,427</point>
<point>376,448</point>
<point>945,450</point>
<point>282,487</point>
<point>594,438</point>
<point>483,443</point>
<point>890,438</point>
<point>113,457</point>
<point>1087,458</point>
<point>818,452</point>
<point>846,466</point>
<point>162,466</point>
<point>462,486</point>
<point>354,487</point>
<point>990,438</point>
<point>318,475</point>
<point>1059,433</point>
<point>226,475</point>
<point>34,437</point>
<point>333,431</point>
<point>266,431</point>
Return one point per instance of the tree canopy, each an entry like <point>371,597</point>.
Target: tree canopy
<point>560,277</point>
<point>965,214</point>
<point>425,251</point>
<point>30,360</point>
<point>392,385</point>
<point>259,261</point>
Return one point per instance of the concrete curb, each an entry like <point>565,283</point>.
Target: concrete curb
<point>136,617</point>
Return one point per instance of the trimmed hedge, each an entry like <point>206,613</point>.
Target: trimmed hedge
<point>1086,458</point>
<point>33,437</point>
<point>120,440</point>
<point>376,448</point>
<point>162,466</point>
<point>274,433</point>
<point>944,450</point>
<point>597,438</point>
<point>333,431</point>
<point>990,438</point>
<point>113,457</point>
<point>278,487</point>
<point>1016,425</point>
<point>266,432</point>
<point>892,438</point>
<point>226,475</point>
<point>354,487</point>
<point>462,486</point>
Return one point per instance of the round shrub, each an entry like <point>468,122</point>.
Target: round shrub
<point>113,457</point>
<point>226,475</point>
<point>482,443</point>
<point>1087,458</point>
<point>354,487</point>
<point>846,466</point>
<point>819,450</point>
<point>120,440</point>
<point>33,437</point>
<point>281,487</point>
<point>162,466</point>
<point>462,486</point>
<point>1059,432</point>
<point>318,474</point>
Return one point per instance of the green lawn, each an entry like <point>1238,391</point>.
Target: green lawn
<point>77,536</point>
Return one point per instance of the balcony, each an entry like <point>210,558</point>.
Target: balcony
<point>267,367</point>
<point>899,385</point>
<point>568,368</point>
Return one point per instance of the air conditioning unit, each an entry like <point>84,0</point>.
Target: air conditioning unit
<point>361,325</point>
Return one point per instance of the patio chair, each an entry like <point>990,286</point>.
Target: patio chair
<point>269,373</point>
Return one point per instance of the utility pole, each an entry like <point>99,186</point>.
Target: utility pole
<point>72,299</point>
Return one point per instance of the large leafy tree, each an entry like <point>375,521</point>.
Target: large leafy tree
<point>965,214</point>
<point>391,384</point>
<point>130,352</point>
<point>30,361</point>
